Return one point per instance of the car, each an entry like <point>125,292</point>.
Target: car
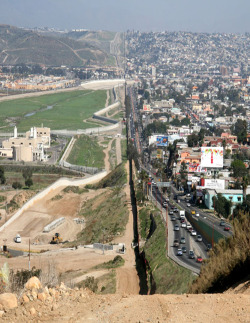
<point>191,254</point>
<point>175,210</point>
<point>209,247</point>
<point>199,259</point>
<point>226,228</point>
<point>188,204</point>
<point>164,204</point>
<point>176,227</point>
<point>171,212</point>
<point>17,238</point>
<point>190,229</point>
<point>184,225</point>
<point>199,238</point>
<point>179,252</point>
<point>176,243</point>
<point>183,240</point>
<point>197,214</point>
<point>222,223</point>
<point>178,201</point>
<point>188,226</point>
<point>182,220</point>
<point>167,199</point>
<point>188,195</point>
<point>193,233</point>
<point>193,212</point>
<point>184,249</point>
<point>173,218</point>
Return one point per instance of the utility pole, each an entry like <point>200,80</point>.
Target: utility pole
<point>29,254</point>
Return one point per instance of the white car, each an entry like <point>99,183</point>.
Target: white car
<point>188,226</point>
<point>199,238</point>
<point>188,204</point>
<point>197,214</point>
<point>176,227</point>
<point>184,225</point>
<point>193,233</point>
<point>17,238</point>
<point>179,252</point>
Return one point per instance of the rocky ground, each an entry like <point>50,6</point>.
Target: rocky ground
<point>42,304</point>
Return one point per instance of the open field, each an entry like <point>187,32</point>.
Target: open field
<point>65,110</point>
<point>86,152</point>
<point>40,181</point>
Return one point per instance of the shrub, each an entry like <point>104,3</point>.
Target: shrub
<point>17,185</point>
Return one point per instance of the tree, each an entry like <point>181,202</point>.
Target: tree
<point>240,130</point>
<point>2,177</point>
<point>27,173</point>
<point>29,182</point>
<point>238,168</point>
<point>193,140</point>
<point>176,122</point>
<point>16,185</point>
<point>222,205</point>
<point>245,182</point>
<point>185,122</point>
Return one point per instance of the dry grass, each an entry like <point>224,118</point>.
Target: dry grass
<point>229,261</point>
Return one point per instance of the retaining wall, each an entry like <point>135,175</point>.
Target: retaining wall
<point>60,183</point>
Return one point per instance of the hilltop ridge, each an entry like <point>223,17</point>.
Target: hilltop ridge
<point>19,46</point>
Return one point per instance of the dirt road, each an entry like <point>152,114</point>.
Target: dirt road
<point>127,280</point>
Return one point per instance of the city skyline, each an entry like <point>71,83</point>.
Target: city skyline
<point>193,15</point>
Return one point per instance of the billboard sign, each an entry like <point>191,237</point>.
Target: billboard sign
<point>212,157</point>
<point>214,184</point>
<point>196,168</point>
<point>162,141</point>
<point>163,184</point>
<point>146,107</point>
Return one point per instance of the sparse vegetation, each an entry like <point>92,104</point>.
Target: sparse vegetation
<point>106,216</point>
<point>2,198</point>
<point>115,178</point>
<point>19,278</point>
<point>57,197</point>
<point>118,261</point>
<point>75,189</point>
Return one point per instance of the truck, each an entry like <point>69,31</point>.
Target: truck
<point>182,214</point>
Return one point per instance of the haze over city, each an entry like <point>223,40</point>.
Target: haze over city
<point>182,15</point>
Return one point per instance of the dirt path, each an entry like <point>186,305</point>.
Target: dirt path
<point>127,281</point>
<point>118,150</point>
<point>107,100</point>
<point>106,158</point>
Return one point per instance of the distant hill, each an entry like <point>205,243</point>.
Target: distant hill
<point>29,47</point>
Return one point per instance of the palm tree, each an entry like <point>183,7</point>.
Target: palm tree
<point>245,182</point>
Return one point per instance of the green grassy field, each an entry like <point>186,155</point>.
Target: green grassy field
<point>68,112</point>
<point>87,152</point>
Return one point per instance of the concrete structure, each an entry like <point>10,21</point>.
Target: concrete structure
<point>28,148</point>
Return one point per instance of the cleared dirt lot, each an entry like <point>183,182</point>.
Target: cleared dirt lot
<point>31,223</point>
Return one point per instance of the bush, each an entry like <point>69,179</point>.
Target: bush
<point>89,283</point>
<point>18,279</point>
<point>17,185</point>
<point>29,182</point>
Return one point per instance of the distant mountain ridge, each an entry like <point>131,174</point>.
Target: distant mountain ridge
<point>19,46</point>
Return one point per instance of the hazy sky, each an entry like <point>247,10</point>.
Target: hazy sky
<point>118,15</point>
